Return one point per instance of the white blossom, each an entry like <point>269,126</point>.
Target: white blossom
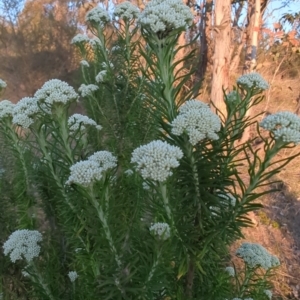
<point>128,172</point>
<point>284,125</point>
<point>165,15</point>
<point>23,244</point>
<point>155,160</point>
<point>77,121</point>
<point>95,43</point>
<point>2,84</point>
<point>233,97</point>
<point>84,173</point>
<point>84,63</point>
<point>126,11</point>
<point>73,275</point>
<point>268,293</point>
<point>255,255</point>
<point>115,48</point>
<point>86,90</point>
<point>230,271</point>
<point>56,91</point>
<point>98,16</point>
<point>145,186</point>
<point>80,39</point>
<point>25,273</point>
<point>104,65</point>
<point>104,159</point>
<point>101,75</point>
<point>6,109</point>
<point>160,230</point>
<point>253,80</point>
<point>25,111</point>
<point>197,120</point>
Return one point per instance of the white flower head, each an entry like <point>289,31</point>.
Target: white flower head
<point>233,97</point>
<point>95,43</point>
<point>80,39</point>
<point>3,84</point>
<point>155,160</point>
<point>56,91</point>
<point>268,293</point>
<point>104,159</point>
<point>230,271</point>
<point>128,172</point>
<point>97,17</point>
<point>163,16</point>
<point>284,125</point>
<point>126,11</point>
<point>86,90</point>
<point>160,230</point>
<point>77,121</point>
<point>253,80</point>
<point>255,255</point>
<point>85,173</point>
<point>25,273</point>
<point>73,275</point>
<point>101,76</point>
<point>104,65</point>
<point>6,109</point>
<point>197,120</point>
<point>23,244</point>
<point>25,111</point>
<point>84,63</point>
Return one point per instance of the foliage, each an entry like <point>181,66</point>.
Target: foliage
<point>128,206</point>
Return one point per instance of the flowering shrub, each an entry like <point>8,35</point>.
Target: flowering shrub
<point>141,195</point>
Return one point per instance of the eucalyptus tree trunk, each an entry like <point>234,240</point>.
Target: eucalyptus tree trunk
<point>206,41</point>
<point>254,17</point>
<point>221,57</point>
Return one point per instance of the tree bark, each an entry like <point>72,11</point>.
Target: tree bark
<point>221,57</point>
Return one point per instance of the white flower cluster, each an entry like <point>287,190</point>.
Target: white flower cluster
<point>23,244</point>
<point>232,97</point>
<point>197,120</point>
<point>284,125</point>
<point>56,91</point>
<point>77,121</point>
<point>6,109</point>
<point>80,39</point>
<point>104,65</point>
<point>101,75</point>
<point>115,48</point>
<point>253,80</point>
<point>87,172</point>
<point>242,299</point>
<point>105,160</point>
<point>128,172</point>
<point>24,111</point>
<point>2,84</point>
<point>86,90</point>
<point>98,16</point>
<point>155,160</point>
<point>268,293</point>
<point>166,15</point>
<point>230,271</point>
<point>255,255</point>
<point>84,173</point>
<point>126,11</point>
<point>84,63</point>
<point>73,275</point>
<point>95,43</point>
<point>160,230</point>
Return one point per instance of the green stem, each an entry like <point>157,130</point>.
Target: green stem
<point>106,228</point>
<point>41,282</point>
